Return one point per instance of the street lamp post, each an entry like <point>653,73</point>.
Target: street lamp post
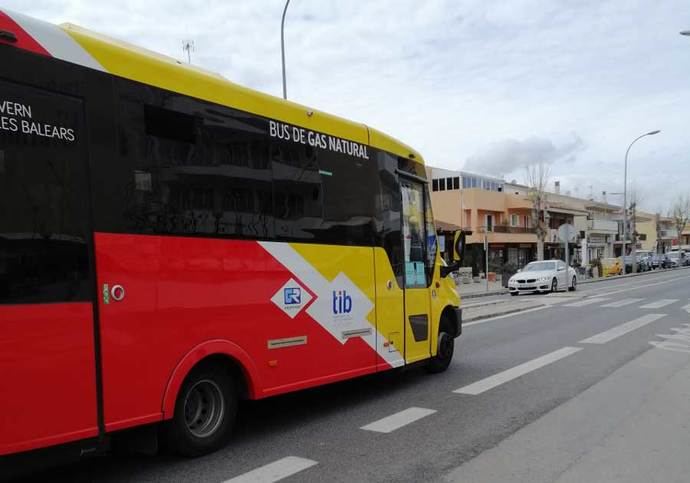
<point>625,194</point>
<point>282,47</point>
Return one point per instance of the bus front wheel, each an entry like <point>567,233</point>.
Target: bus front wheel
<point>205,412</point>
<point>444,350</point>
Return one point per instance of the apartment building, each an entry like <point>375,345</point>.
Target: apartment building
<point>502,213</point>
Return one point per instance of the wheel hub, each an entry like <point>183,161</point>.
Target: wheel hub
<point>204,408</point>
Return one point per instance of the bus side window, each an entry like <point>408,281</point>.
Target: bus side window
<point>350,191</point>
<point>191,168</point>
<point>389,214</point>
<point>298,205</point>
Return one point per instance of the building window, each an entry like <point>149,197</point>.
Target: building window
<point>456,183</point>
<point>449,184</point>
<point>514,220</point>
<point>434,185</point>
<point>442,184</point>
<point>489,222</point>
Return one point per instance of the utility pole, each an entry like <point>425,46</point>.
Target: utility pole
<point>633,238</point>
<point>486,260</point>
<point>282,47</point>
<point>625,191</point>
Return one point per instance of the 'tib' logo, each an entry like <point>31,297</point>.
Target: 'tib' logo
<point>342,302</point>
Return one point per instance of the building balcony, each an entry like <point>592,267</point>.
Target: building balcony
<point>671,234</point>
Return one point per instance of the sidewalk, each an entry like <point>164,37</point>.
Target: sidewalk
<point>630,427</point>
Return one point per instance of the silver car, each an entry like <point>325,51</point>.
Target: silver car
<point>544,276</point>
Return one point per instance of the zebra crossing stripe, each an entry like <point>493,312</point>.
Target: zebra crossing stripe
<point>659,303</point>
<point>584,302</point>
<point>622,303</point>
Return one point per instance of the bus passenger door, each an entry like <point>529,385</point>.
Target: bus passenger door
<point>47,353</point>
<point>416,298</point>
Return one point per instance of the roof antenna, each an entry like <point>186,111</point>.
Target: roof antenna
<point>188,47</point>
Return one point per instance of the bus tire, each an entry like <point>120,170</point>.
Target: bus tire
<point>444,350</point>
<point>205,412</point>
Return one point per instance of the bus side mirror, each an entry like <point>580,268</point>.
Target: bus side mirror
<point>457,253</point>
<point>459,238</point>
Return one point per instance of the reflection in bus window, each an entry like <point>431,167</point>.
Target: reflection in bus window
<point>413,234</point>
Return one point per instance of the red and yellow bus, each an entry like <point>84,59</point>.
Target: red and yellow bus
<point>171,242</point>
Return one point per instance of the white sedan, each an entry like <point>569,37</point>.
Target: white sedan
<point>545,276</point>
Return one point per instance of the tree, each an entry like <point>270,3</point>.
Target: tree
<point>537,180</point>
<point>680,212</point>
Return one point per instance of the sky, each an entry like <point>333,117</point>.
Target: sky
<point>480,85</point>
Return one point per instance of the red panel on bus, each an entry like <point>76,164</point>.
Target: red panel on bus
<point>181,292</point>
<point>24,40</point>
<point>47,375</point>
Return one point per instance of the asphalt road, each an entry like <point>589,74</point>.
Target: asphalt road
<point>507,372</point>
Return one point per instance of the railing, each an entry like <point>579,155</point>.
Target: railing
<point>513,229</point>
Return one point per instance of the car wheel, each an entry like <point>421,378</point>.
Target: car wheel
<point>554,285</point>
<point>205,412</point>
<point>573,286</point>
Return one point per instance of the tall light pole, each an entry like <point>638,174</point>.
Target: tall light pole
<point>625,193</point>
<point>282,47</point>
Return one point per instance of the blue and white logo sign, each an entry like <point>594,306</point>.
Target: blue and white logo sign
<point>292,295</point>
<point>291,298</point>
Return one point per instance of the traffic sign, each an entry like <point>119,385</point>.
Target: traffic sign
<point>567,233</point>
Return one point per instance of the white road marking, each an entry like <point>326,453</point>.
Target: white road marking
<point>584,302</point>
<point>686,308</point>
<point>275,471</point>
<point>659,303</point>
<point>621,303</point>
<point>398,420</point>
<point>517,371</point>
<point>619,330</point>
<point>678,342</point>
<point>628,288</point>
<point>512,314</point>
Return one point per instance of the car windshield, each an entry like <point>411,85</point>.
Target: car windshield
<point>539,266</point>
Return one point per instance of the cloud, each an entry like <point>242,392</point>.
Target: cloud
<point>485,82</point>
<point>508,156</point>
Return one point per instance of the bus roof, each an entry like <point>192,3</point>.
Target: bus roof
<point>123,59</point>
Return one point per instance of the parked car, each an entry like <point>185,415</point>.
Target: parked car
<point>676,259</point>
<point>543,276</point>
<point>611,267</point>
<point>658,260</point>
<point>642,263</point>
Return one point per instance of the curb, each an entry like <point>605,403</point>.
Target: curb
<point>631,275</point>
<point>504,312</point>
<point>482,294</point>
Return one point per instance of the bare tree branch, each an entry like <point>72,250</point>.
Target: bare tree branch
<point>538,180</point>
<point>680,212</point>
